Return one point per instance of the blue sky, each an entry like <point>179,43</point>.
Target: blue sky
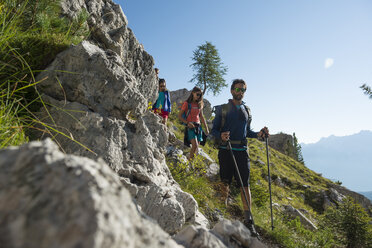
<point>303,61</point>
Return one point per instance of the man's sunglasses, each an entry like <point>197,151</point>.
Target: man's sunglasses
<point>240,90</point>
<point>199,94</point>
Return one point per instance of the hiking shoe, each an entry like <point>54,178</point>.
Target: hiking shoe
<point>229,201</point>
<point>251,228</point>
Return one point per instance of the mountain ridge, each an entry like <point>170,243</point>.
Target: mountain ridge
<point>342,158</point>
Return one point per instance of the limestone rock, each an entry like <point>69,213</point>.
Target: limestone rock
<point>134,151</point>
<point>97,79</point>
<point>97,94</point>
<point>224,234</point>
<point>49,199</point>
<point>342,192</point>
<point>198,237</point>
<point>234,234</point>
<point>283,143</point>
<point>293,212</point>
<point>109,30</point>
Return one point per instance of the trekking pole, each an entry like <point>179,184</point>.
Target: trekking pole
<point>268,169</point>
<point>240,178</point>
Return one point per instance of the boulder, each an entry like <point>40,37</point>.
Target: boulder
<point>224,234</point>
<point>198,237</point>
<point>293,212</point>
<point>235,234</point>
<point>49,199</point>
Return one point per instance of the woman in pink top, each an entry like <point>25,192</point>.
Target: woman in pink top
<point>194,129</point>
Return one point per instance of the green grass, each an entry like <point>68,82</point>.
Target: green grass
<point>11,127</point>
<point>32,33</point>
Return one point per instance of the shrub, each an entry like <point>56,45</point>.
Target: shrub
<point>350,223</point>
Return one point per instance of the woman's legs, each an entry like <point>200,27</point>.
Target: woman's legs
<point>194,148</point>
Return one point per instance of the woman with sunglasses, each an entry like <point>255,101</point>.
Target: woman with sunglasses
<point>194,118</point>
<point>162,105</point>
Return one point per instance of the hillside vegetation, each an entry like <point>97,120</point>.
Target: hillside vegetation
<point>293,184</point>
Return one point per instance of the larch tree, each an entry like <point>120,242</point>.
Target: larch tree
<point>208,69</point>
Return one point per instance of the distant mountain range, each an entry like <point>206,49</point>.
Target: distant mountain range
<point>347,159</point>
<point>367,194</point>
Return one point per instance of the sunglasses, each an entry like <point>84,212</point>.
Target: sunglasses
<point>199,94</point>
<point>240,90</point>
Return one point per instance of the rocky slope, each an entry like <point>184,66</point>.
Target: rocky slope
<point>50,199</point>
<point>101,98</point>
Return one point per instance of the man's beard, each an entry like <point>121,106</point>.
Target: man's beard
<point>238,97</point>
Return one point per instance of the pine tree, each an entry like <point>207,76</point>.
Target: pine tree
<point>209,70</point>
<point>297,148</point>
<point>367,90</point>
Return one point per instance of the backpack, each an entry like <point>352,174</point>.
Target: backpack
<point>225,108</point>
<point>186,114</point>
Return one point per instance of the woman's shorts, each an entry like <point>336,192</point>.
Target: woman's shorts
<point>161,112</point>
<point>195,133</point>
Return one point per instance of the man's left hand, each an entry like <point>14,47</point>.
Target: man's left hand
<point>264,133</point>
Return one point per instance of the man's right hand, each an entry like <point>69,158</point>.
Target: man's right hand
<point>225,136</point>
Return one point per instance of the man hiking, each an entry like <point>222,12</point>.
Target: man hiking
<point>232,124</point>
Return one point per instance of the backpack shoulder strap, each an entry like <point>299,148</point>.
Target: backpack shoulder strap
<point>224,110</point>
<point>249,114</point>
<point>188,109</point>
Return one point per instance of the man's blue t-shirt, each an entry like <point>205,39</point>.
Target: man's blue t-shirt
<point>237,122</point>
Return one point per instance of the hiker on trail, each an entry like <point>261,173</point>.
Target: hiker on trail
<point>162,105</point>
<point>232,123</point>
<point>191,114</point>
<point>157,73</point>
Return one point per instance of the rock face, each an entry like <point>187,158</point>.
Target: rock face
<point>49,199</point>
<point>337,193</point>
<point>97,94</point>
<point>283,143</point>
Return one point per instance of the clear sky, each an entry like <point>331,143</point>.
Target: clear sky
<point>303,61</point>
